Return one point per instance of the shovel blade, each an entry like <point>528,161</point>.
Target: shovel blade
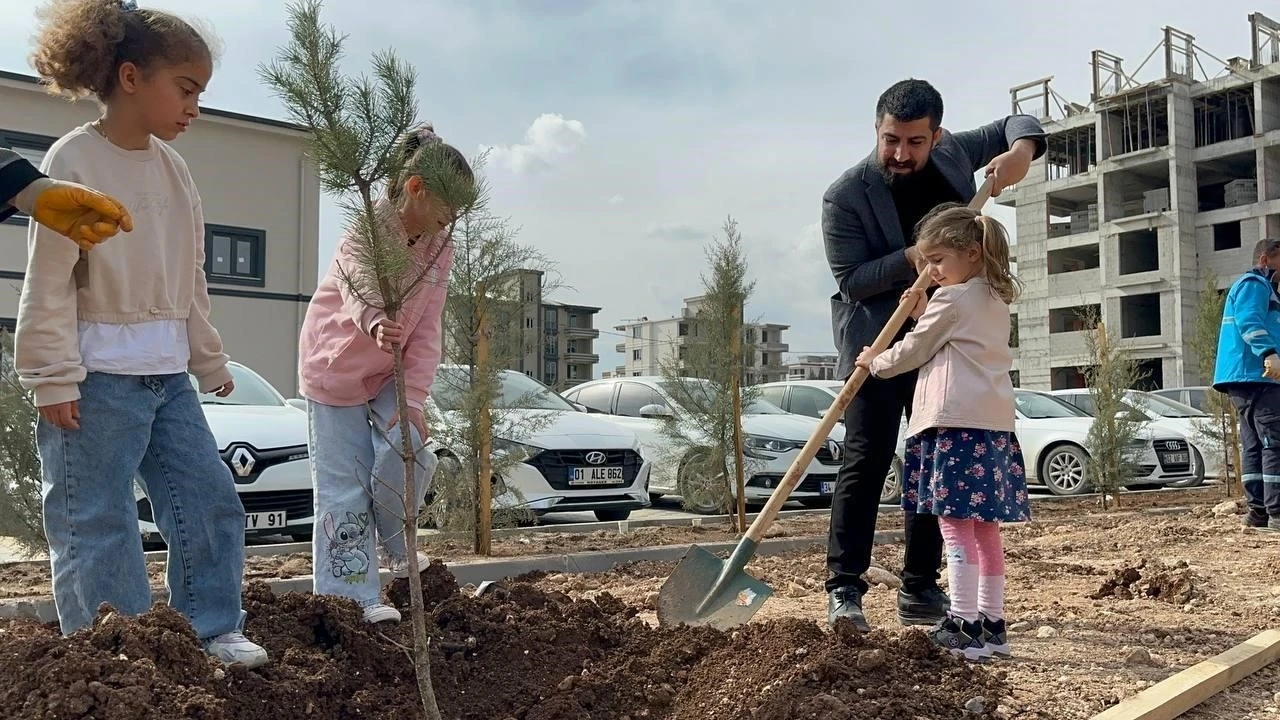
<point>690,585</point>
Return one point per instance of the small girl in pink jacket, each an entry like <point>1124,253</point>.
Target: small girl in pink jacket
<point>346,375</point>
<point>963,462</point>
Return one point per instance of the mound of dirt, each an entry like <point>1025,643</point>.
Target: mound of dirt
<point>516,652</point>
<point>1150,579</point>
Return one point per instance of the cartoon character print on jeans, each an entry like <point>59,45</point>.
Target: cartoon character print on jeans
<point>347,557</point>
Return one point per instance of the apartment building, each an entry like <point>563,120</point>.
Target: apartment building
<point>261,203</point>
<point>556,340</point>
<point>652,344</point>
<point>1144,196</point>
<point>812,367</point>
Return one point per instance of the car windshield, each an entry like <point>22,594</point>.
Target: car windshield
<point>250,389</point>
<point>1164,407</point>
<point>694,387</point>
<point>518,391</point>
<point>1038,407</point>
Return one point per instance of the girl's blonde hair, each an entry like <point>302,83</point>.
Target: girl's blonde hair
<point>81,44</point>
<point>956,227</point>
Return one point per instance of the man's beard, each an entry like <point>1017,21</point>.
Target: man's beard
<point>894,180</point>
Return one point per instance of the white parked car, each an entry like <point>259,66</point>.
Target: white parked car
<point>569,460</point>
<point>263,439</point>
<point>811,398</point>
<point>1163,415</point>
<point>772,439</point>
<point>1053,435</point>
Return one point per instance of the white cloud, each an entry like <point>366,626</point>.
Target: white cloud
<point>615,200</point>
<point>550,138</point>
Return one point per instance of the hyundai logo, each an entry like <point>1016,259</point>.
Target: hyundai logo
<point>242,461</point>
<point>595,457</point>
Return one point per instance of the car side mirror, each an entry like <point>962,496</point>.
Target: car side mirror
<point>298,403</point>
<point>655,411</point>
<point>580,407</point>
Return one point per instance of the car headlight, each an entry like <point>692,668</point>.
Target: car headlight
<point>767,448</point>
<point>514,451</point>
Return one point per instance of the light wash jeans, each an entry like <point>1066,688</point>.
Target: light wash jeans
<point>358,476</point>
<point>151,425</point>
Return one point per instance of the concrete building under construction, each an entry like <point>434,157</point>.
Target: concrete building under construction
<point>1143,196</point>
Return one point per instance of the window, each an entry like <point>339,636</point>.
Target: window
<point>635,354</point>
<point>635,331</point>
<point>235,256</point>
<point>32,148</point>
<point>764,336</point>
<point>773,394</point>
<point>528,323</point>
<point>549,374</point>
<point>809,401</point>
<point>633,396</point>
<point>595,398</point>
<point>682,329</point>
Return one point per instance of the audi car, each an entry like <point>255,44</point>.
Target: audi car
<point>263,440</point>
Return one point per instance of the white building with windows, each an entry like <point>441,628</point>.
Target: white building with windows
<point>812,367</point>
<point>651,344</point>
<point>261,203</point>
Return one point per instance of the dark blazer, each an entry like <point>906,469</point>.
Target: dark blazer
<point>15,174</point>
<point>864,239</point>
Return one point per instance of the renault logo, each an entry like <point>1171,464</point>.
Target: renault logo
<point>595,457</point>
<point>242,461</point>
<point>834,448</point>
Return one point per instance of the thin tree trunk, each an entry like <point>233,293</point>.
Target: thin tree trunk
<point>736,389</point>
<point>484,488</point>
<point>418,610</point>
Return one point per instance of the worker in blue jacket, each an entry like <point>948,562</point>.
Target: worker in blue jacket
<point>1248,371</point>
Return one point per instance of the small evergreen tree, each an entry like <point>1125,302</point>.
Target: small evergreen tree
<point>1113,440</point>
<point>356,125</point>
<point>21,509</point>
<point>702,377</point>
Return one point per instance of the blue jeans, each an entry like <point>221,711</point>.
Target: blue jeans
<point>148,426</point>
<point>358,476</point>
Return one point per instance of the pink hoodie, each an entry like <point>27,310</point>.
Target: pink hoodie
<point>340,364</point>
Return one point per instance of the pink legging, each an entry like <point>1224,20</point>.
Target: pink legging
<point>975,567</point>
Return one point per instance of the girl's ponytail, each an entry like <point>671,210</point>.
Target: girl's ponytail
<point>995,259</point>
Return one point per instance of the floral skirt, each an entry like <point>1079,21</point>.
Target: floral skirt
<point>962,473</point>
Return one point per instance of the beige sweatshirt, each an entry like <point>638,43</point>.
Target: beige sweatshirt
<point>154,273</point>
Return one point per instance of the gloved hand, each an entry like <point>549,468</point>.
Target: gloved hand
<point>83,214</point>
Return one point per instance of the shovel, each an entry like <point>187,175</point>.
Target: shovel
<point>704,590</point>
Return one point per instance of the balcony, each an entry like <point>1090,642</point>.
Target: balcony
<point>581,358</point>
<point>573,331</point>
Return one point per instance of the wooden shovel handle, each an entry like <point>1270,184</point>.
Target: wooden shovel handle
<point>851,386</point>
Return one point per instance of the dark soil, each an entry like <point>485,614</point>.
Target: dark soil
<point>515,652</point>
<point>1152,579</point>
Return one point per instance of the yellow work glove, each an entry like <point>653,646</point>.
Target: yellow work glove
<point>83,214</point>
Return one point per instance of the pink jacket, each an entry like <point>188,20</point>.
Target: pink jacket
<point>961,345</point>
<point>340,364</point>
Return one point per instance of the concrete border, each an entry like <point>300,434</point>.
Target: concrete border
<point>41,608</point>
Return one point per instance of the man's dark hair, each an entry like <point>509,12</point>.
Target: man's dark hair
<point>911,99</point>
<point>1266,246</point>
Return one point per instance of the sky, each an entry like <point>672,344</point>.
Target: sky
<point>624,133</point>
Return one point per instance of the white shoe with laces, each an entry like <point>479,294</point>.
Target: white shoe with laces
<point>399,567</point>
<point>233,647</point>
<point>380,613</point>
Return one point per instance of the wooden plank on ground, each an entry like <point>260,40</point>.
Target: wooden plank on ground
<point>1175,695</point>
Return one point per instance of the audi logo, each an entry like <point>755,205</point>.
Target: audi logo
<point>1172,445</point>
<point>595,457</point>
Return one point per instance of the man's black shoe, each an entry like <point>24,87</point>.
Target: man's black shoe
<point>846,602</point>
<point>1255,520</point>
<point>926,607</point>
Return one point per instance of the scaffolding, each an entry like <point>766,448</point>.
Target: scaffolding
<point>1266,39</point>
<point>1071,152</point>
<point>1225,115</point>
<point>1144,119</point>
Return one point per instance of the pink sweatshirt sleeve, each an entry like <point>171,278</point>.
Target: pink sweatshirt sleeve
<point>425,345</point>
<point>931,332</point>
<point>343,269</point>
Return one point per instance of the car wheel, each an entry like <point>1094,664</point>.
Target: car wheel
<point>612,515</point>
<point>655,497</point>
<point>1198,478</point>
<point>695,490</point>
<point>891,491</point>
<point>1064,469</point>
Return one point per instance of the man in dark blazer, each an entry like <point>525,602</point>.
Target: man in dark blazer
<point>868,220</point>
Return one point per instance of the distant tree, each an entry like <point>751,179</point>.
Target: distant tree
<point>1113,440</point>
<point>21,514</point>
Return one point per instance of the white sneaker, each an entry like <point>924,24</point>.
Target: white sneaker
<point>400,567</point>
<point>234,647</point>
<point>380,613</point>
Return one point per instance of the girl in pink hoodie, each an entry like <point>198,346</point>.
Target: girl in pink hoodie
<point>345,373</point>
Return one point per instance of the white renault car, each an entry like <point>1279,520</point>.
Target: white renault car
<point>772,439</point>
<point>569,460</point>
<point>263,439</point>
